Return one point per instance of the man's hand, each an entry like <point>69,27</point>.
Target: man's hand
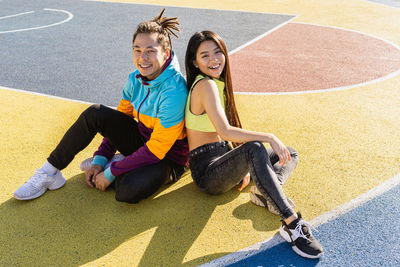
<point>91,174</point>
<point>101,182</point>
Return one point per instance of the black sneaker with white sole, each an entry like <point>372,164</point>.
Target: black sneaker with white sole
<point>298,234</point>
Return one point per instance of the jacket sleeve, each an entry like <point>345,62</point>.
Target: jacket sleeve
<point>125,105</point>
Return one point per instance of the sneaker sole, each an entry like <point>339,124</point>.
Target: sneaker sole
<point>286,237</point>
<point>254,197</point>
<point>256,200</point>
<point>57,184</point>
<point>301,253</point>
<point>38,194</point>
<point>54,186</point>
<point>60,182</point>
<point>85,165</point>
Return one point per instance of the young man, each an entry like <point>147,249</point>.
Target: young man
<point>147,128</point>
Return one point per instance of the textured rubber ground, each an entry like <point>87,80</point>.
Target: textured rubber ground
<point>347,140</point>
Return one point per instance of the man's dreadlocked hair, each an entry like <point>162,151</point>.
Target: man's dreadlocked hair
<point>163,26</point>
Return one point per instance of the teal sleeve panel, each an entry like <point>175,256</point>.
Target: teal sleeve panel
<point>100,160</point>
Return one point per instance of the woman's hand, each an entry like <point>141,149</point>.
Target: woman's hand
<point>281,150</point>
<point>91,174</point>
<point>101,182</point>
<point>245,182</point>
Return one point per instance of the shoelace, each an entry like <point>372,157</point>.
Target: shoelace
<point>298,231</point>
<point>37,179</point>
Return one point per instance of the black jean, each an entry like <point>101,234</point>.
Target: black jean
<point>123,133</point>
<point>217,168</point>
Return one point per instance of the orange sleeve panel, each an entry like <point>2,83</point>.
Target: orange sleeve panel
<point>162,139</point>
<point>126,107</point>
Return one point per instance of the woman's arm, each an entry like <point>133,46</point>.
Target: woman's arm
<point>205,93</point>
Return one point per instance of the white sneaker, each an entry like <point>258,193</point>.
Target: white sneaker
<point>85,165</point>
<point>257,198</point>
<point>38,184</point>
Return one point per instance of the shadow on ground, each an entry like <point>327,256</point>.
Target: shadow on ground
<point>248,211</point>
<point>77,224</point>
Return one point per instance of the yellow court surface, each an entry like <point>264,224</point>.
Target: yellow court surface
<point>348,141</point>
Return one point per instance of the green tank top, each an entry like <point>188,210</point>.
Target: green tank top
<point>201,122</point>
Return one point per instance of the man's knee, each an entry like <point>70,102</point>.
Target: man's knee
<point>94,108</point>
<point>91,111</point>
<point>129,195</point>
<point>130,191</point>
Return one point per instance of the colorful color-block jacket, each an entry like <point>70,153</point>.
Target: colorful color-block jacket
<point>159,107</point>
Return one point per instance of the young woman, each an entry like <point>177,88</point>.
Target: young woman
<point>211,120</point>
<point>154,145</point>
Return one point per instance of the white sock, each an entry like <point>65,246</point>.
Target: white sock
<point>48,168</point>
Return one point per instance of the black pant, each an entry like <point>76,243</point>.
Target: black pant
<point>217,168</point>
<point>123,133</point>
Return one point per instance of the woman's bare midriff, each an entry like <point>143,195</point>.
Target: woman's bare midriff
<point>197,138</point>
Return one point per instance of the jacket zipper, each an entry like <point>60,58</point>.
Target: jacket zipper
<point>148,92</point>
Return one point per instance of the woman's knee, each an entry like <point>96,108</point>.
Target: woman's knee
<point>255,148</point>
<point>213,191</point>
<point>257,145</point>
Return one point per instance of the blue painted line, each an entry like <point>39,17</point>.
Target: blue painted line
<point>365,236</point>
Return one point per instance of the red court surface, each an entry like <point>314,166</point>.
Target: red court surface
<point>302,57</point>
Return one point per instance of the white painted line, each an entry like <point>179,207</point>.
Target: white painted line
<point>260,36</point>
<point>320,220</point>
<point>358,201</point>
<point>391,75</point>
<point>189,7</point>
<point>388,76</point>
<point>16,15</point>
<point>45,95</point>
<point>355,31</point>
<point>70,16</point>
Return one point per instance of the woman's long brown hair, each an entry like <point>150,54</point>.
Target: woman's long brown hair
<point>192,72</point>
